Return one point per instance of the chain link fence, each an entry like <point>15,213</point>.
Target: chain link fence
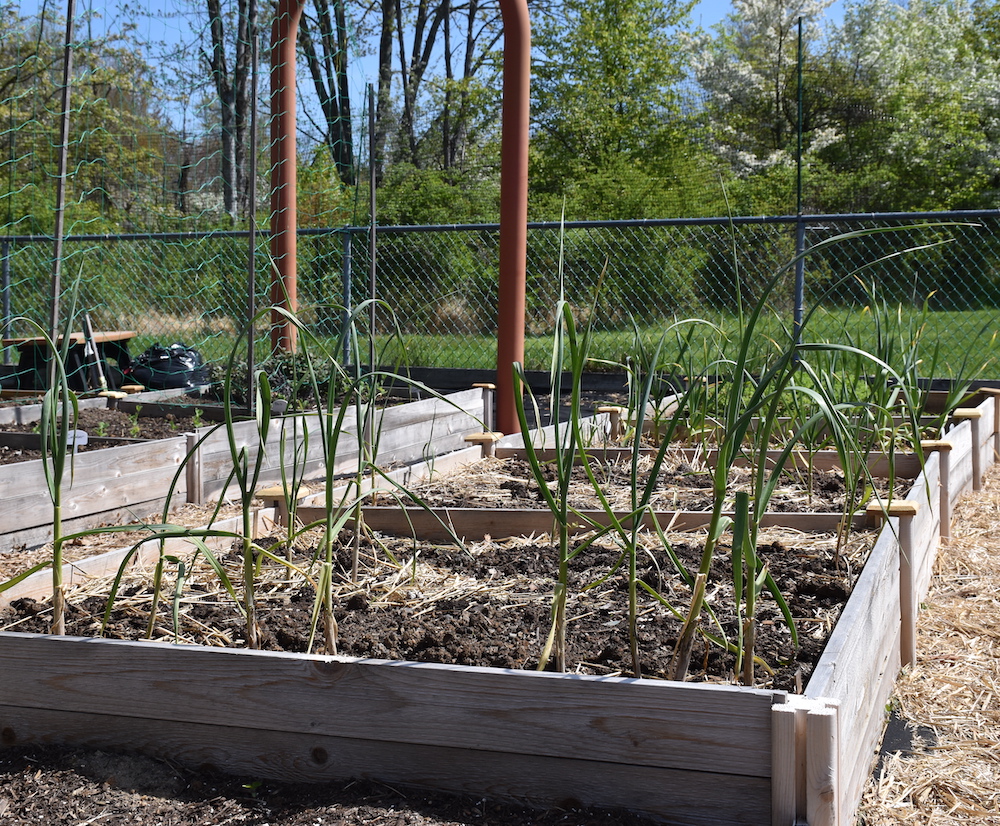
<point>936,274</point>
<point>437,285</point>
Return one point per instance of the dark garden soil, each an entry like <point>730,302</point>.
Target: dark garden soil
<point>51,785</point>
<point>106,428</point>
<point>484,605</point>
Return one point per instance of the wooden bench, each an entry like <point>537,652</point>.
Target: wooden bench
<point>32,367</point>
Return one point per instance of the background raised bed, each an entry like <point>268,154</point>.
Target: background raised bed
<point>695,754</point>
<point>122,484</point>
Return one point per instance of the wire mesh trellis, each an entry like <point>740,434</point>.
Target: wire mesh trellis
<point>442,280</point>
<point>439,282</point>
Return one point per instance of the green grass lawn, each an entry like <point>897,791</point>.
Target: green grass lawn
<point>953,343</point>
<point>950,344</point>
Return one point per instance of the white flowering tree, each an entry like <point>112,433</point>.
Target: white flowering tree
<point>899,111</point>
<point>748,72</point>
<point>930,74</point>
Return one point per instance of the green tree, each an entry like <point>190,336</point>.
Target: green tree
<point>931,77</point>
<point>607,99</point>
<point>120,140</point>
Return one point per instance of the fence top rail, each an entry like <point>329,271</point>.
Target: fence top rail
<point>847,217</point>
<point>856,217</point>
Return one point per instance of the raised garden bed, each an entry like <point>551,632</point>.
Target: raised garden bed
<point>133,481</point>
<point>688,753</point>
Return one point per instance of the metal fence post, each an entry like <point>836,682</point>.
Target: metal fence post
<point>800,276</point>
<point>345,279</point>
<point>5,291</point>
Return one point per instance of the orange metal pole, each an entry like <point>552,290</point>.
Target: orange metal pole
<point>513,205</point>
<point>284,284</point>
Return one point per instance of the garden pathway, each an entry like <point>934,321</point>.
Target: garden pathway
<point>954,688</point>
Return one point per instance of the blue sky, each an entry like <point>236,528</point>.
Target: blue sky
<point>172,21</point>
<point>709,12</point>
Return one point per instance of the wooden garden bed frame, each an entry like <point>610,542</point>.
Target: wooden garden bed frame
<point>687,753</point>
<point>130,482</point>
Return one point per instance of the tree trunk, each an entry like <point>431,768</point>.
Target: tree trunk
<point>234,100</point>
<point>328,70</point>
<point>384,86</point>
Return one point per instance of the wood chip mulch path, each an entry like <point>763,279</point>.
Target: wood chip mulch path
<point>953,691</point>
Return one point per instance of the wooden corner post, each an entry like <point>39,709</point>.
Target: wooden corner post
<point>904,510</point>
<point>943,449</point>
<point>973,415</point>
<point>805,762</point>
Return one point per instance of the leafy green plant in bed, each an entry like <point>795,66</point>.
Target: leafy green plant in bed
<point>652,380</point>
<point>569,347</point>
<point>566,438</point>
<point>58,417</point>
<point>757,383</point>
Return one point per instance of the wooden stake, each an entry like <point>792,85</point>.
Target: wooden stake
<point>904,510</point>
<point>275,497</point>
<point>485,440</point>
<point>489,414</point>
<point>614,413</point>
<point>195,493</point>
<point>973,415</point>
<point>943,448</point>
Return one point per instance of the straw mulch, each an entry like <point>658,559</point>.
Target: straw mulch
<point>954,688</point>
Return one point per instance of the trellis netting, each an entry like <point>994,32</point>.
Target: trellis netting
<point>158,215</point>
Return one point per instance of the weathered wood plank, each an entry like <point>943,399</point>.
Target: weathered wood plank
<point>787,762</point>
<point>861,660</point>
<point>856,649</point>
<point>407,476</point>
<point>823,752</point>
<point>905,465</point>
<point>641,722</point>
<point>405,434</point>
<point>926,527</point>
<point>674,796</point>
<point>986,432</point>
<point>101,481</point>
<point>42,534</point>
<point>961,460</point>
<point>465,404</point>
<point>27,413</point>
<point>857,762</point>
<point>476,523</point>
<point>27,478</point>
